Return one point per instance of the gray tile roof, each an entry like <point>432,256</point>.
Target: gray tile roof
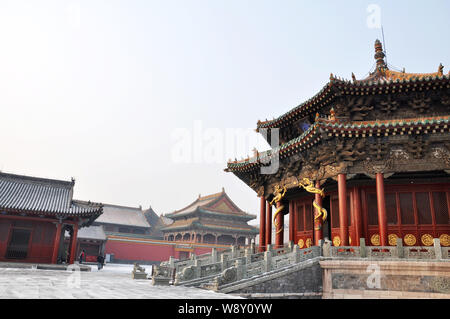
<point>92,232</point>
<point>40,195</point>
<point>123,215</point>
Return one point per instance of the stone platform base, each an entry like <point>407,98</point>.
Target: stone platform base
<point>139,275</point>
<point>385,279</point>
<point>160,281</point>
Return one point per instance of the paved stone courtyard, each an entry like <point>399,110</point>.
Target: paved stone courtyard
<point>112,282</point>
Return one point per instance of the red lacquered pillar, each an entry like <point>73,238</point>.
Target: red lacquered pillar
<point>343,214</point>
<point>291,221</point>
<point>262,225</point>
<point>56,243</point>
<point>268,224</point>
<point>318,231</point>
<point>357,214</point>
<point>73,248</point>
<point>381,203</point>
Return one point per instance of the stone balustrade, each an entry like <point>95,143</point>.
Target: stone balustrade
<point>236,264</point>
<point>388,252</point>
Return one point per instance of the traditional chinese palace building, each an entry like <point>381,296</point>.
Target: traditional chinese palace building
<point>212,219</point>
<point>133,234</point>
<point>365,158</point>
<point>35,214</point>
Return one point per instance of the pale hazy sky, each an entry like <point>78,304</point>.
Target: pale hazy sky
<point>97,90</point>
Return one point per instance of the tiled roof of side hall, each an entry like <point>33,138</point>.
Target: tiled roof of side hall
<point>311,136</point>
<point>123,215</point>
<point>42,196</point>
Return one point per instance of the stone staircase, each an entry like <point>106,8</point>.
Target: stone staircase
<point>221,269</point>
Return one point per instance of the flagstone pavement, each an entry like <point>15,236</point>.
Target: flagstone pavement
<point>112,282</point>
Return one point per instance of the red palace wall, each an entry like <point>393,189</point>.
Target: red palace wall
<point>137,249</point>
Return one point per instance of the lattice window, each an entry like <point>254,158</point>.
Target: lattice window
<point>335,213</point>
<point>406,208</point>
<point>18,244</point>
<point>391,209</point>
<point>308,217</point>
<point>300,216</point>
<point>441,208</point>
<point>372,208</point>
<point>423,208</point>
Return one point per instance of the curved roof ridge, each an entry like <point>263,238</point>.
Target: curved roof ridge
<point>37,180</point>
<point>381,75</point>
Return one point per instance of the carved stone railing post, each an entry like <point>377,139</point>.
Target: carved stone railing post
<point>233,252</point>
<point>400,252</point>
<point>437,248</point>
<point>267,260</point>
<point>248,255</point>
<point>223,262</point>
<point>193,256</point>
<point>291,246</point>
<point>270,249</point>
<point>321,243</point>
<point>240,271</point>
<point>326,249</point>
<point>197,269</point>
<point>362,248</point>
<point>171,262</point>
<point>213,256</point>
<point>295,254</point>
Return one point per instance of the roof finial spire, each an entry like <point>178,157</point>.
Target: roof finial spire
<point>379,56</point>
<point>441,70</point>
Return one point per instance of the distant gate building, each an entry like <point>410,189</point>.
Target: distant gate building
<point>212,219</point>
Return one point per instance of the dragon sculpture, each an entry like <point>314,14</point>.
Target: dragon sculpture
<point>309,187</point>
<point>279,193</point>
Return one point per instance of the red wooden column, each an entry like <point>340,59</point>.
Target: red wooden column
<point>279,230</point>
<point>381,203</point>
<point>73,248</point>
<point>318,231</point>
<point>343,214</point>
<point>268,224</point>
<point>356,198</point>
<point>291,221</point>
<point>262,225</point>
<point>56,243</point>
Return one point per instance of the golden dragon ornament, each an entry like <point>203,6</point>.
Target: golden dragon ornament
<point>279,193</point>
<point>308,185</point>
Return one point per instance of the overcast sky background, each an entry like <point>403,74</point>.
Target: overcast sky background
<point>96,90</point>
